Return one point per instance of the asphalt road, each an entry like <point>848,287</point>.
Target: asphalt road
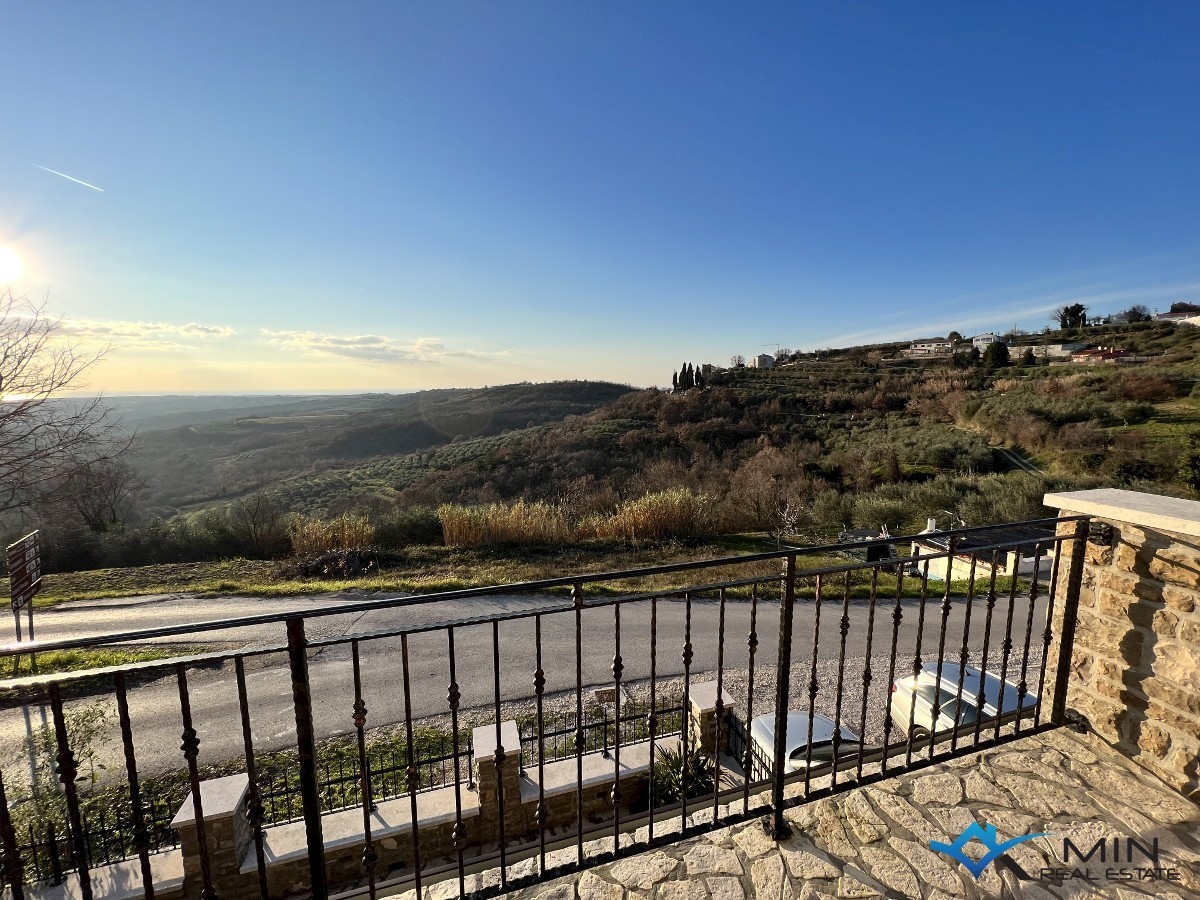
<point>155,708</point>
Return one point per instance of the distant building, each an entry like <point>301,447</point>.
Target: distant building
<point>982,341</point>
<point>1100,356</point>
<point>1174,316</point>
<point>927,347</point>
<point>1056,351</point>
<point>762,361</point>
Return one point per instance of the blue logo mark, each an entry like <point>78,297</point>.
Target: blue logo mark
<point>986,835</point>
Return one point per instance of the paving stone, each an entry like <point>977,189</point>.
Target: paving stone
<point>769,880</point>
<point>754,841</point>
<point>952,819</point>
<point>982,790</point>
<point>593,887</point>
<point>810,892</point>
<point>1046,800</point>
<point>682,890</point>
<point>944,788</point>
<point>705,859</point>
<point>831,833</point>
<point>905,815</point>
<point>558,892</point>
<point>890,869</point>
<point>853,889</point>
<point>1027,764</point>
<point>644,870</point>
<point>866,824</point>
<point>931,868</point>
<point>725,888</point>
<point>806,865</point>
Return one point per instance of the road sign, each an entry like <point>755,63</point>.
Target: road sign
<point>24,569</point>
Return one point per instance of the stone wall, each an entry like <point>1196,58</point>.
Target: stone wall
<point>1135,665</point>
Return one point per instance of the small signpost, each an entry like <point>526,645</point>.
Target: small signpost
<point>24,576</point>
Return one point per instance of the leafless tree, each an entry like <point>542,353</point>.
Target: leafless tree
<point>102,492</point>
<point>45,436</point>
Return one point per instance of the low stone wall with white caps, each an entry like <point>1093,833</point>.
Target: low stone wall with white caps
<point>1135,665</point>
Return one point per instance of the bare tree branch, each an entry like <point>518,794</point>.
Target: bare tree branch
<point>46,437</point>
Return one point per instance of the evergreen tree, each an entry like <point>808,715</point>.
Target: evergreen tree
<point>674,381</point>
<point>996,356</point>
<point>1027,358</point>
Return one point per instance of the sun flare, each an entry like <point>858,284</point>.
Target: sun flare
<point>10,265</point>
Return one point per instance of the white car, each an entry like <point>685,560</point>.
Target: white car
<point>984,696</point>
<point>762,733</point>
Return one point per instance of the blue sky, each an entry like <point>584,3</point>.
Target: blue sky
<point>399,195</point>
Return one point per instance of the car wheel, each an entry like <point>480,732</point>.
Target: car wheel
<point>917,733</point>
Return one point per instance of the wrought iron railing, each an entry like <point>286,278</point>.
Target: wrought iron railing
<point>559,742</point>
<point>340,781</point>
<point>814,630</point>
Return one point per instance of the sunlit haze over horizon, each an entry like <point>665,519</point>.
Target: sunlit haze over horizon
<point>390,197</point>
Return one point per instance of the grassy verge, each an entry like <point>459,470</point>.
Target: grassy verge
<point>418,570</point>
<point>427,570</point>
<point>51,662</point>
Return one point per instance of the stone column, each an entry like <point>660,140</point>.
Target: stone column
<point>1135,665</point>
<point>709,728</point>
<point>483,744</point>
<point>227,834</point>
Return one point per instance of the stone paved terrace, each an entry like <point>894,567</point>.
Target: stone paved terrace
<point>873,841</point>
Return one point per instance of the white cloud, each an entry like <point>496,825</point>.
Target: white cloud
<point>374,347</point>
<point>139,334</point>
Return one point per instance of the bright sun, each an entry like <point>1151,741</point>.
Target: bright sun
<point>10,265</point>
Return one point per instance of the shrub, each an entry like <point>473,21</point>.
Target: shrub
<point>315,535</point>
<point>676,514</point>
<point>415,525</point>
<point>499,523</point>
<point>668,784</point>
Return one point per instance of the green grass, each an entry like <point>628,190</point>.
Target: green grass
<point>53,661</point>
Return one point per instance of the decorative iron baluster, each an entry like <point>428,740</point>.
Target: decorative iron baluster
<point>254,806</point>
<point>813,687</point>
<point>897,618</point>
<point>370,856</point>
<point>141,839</point>
<point>411,773</point>
<point>912,712</point>
<point>539,689</point>
<point>951,546</point>
<point>964,653</point>
<point>684,727</point>
<point>752,647</point>
<point>577,602</point>
<point>190,746</point>
<point>1048,632</point>
<point>14,870</point>
<point>458,834</point>
<point>652,716</point>
<point>618,669</point>
<point>719,707</point>
<point>843,630</point>
<point>1006,647</point>
<point>306,746</point>
<point>867,675</point>
<point>987,639</point>
<point>777,826</point>
<point>1023,685</point>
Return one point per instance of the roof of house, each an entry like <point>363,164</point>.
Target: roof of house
<point>1004,535</point>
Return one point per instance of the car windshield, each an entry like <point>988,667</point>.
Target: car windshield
<point>823,752</point>
<point>967,713</point>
